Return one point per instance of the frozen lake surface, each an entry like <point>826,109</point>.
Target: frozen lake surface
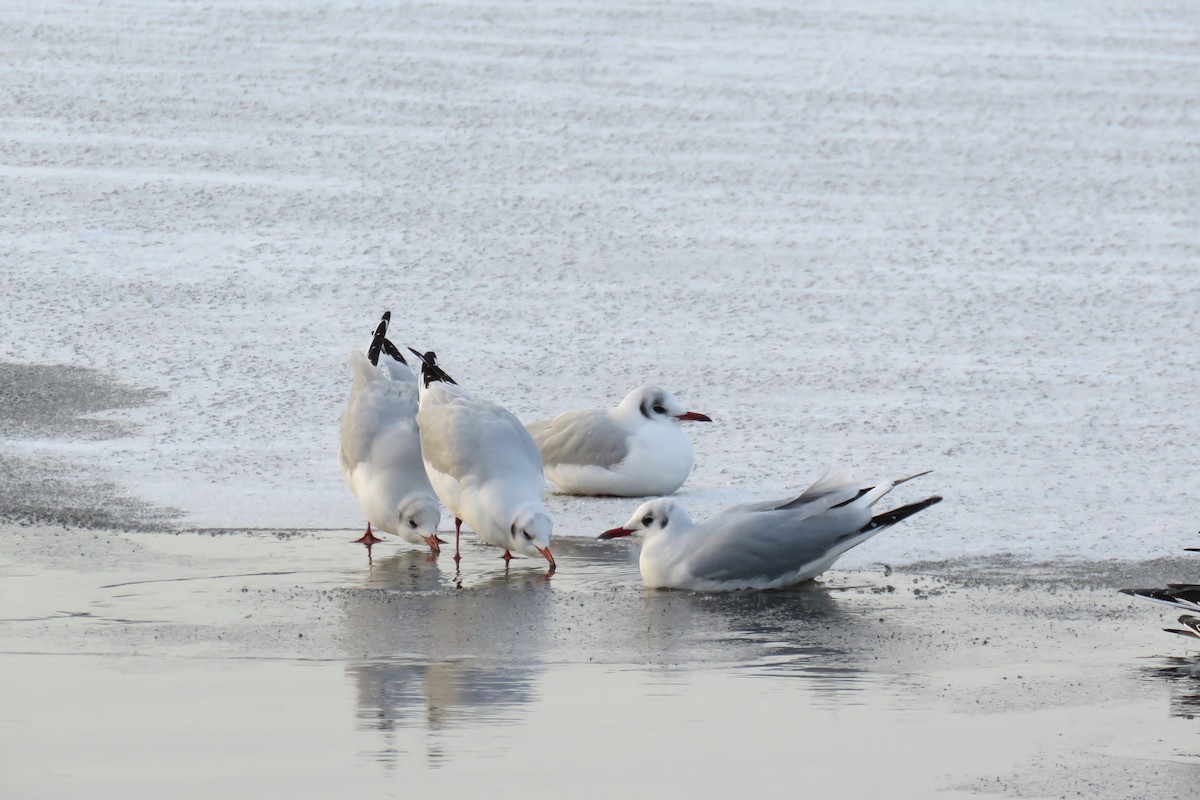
<point>962,239</point>
<point>955,237</point>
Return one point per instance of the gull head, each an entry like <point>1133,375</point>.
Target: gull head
<point>653,404</point>
<point>530,532</point>
<point>651,517</point>
<point>419,513</point>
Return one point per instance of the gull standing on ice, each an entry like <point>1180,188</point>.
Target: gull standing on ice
<point>760,545</point>
<point>634,450</point>
<point>381,447</point>
<point>483,465</point>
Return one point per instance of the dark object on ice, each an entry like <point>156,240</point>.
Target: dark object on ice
<point>1185,596</point>
<point>377,339</point>
<point>897,514</point>
<point>430,371</point>
<point>1192,629</point>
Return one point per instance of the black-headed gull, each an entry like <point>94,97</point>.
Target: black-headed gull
<point>381,447</point>
<point>760,545</point>
<point>634,450</point>
<point>483,465</point>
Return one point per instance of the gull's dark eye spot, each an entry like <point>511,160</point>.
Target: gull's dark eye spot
<point>658,409</point>
<point>412,523</point>
<point>526,535</point>
<point>647,520</point>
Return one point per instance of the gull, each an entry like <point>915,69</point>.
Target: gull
<point>1185,596</point>
<point>765,545</point>
<point>380,454</point>
<point>1180,596</point>
<point>483,465</point>
<point>634,450</point>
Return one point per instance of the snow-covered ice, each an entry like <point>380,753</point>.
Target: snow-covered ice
<point>958,237</point>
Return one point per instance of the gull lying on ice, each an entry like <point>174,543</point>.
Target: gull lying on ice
<point>633,450</point>
<point>760,545</point>
<point>483,465</point>
<point>381,447</point>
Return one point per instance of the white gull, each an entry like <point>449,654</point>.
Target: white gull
<point>634,450</point>
<point>380,452</point>
<point>483,465</point>
<point>760,545</point>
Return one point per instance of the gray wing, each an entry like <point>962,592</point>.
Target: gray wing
<point>585,438</point>
<point>473,438</point>
<point>812,501</point>
<point>770,544</point>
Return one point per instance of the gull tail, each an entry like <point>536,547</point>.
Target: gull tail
<point>377,339</point>
<point>887,518</point>
<point>1184,596</point>
<point>430,371</point>
<point>1192,626</point>
<point>393,351</point>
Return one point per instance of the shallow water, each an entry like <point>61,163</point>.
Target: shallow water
<point>268,663</point>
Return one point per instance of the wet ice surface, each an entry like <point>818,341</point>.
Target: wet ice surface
<point>53,467</point>
<point>280,662</point>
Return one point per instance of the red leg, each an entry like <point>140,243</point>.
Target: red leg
<point>368,538</point>
<point>457,533</point>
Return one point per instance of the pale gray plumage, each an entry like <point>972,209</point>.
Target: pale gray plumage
<point>581,437</point>
<point>636,449</point>
<point>761,545</point>
<point>455,432</point>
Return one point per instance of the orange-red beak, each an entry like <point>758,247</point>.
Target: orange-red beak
<point>693,416</point>
<point>615,533</point>
<point>545,551</point>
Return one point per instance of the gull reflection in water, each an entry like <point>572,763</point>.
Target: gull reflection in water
<point>1183,673</point>
<point>799,632</point>
<point>428,656</point>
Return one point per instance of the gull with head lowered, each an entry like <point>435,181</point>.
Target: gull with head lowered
<point>483,465</point>
<point>380,454</point>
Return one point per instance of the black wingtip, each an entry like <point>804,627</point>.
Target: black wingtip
<point>377,338</point>
<point>1189,633</point>
<point>393,351</point>
<point>896,514</point>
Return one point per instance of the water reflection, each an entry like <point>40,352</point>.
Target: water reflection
<point>794,633</point>
<point>1183,673</point>
<point>430,656</point>
<point>393,694</point>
